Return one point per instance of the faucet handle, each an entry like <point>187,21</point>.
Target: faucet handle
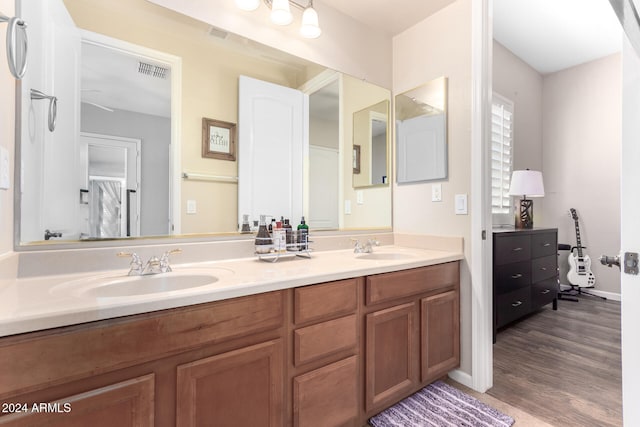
<point>136,262</point>
<point>373,242</point>
<point>164,261</point>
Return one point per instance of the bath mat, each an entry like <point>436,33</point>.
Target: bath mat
<point>440,404</point>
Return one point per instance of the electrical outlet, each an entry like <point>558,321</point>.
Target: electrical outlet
<point>4,169</point>
<point>436,192</point>
<point>347,207</point>
<point>191,207</point>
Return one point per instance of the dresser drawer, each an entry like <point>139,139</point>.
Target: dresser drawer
<point>323,339</point>
<point>511,276</point>
<point>512,305</point>
<point>543,244</point>
<point>317,302</point>
<point>544,268</point>
<point>542,293</point>
<point>510,249</point>
<point>399,284</point>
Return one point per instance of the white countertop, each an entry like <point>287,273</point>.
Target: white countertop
<point>36,303</point>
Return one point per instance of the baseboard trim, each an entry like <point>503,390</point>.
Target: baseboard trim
<point>462,377</point>
<point>608,295</point>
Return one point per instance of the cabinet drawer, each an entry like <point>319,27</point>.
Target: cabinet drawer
<point>323,339</point>
<point>511,249</point>
<point>331,299</point>
<point>544,292</point>
<point>390,286</point>
<point>544,268</point>
<point>511,276</point>
<point>512,305</point>
<point>543,244</point>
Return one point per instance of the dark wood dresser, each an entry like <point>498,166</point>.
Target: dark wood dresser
<point>525,265</point>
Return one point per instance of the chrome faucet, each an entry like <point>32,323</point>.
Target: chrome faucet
<point>155,265</point>
<point>366,248</point>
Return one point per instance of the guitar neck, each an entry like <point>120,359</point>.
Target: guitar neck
<point>578,242</point>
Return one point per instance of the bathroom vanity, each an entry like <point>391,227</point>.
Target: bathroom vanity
<point>326,353</point>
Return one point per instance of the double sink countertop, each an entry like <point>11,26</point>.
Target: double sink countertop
<point>43,302</point>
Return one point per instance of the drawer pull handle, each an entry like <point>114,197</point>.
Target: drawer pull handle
<point>516,304</point>
<point>543,268</point>
<point>546,291</point>
<point>546,245</point>
<point>516,249</point>
<point>516,276</point>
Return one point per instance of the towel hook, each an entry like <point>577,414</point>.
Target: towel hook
<point>16,23</point>
<point>53,107</point>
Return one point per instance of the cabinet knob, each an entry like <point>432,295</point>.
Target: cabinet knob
<point>543,268</point>
<point>516,304</point>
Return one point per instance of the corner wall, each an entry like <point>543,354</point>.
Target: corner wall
<point>441,46</point>
<point>582,110</point>
<point>7,135</point>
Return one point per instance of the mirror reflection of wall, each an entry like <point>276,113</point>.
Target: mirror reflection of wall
<point>211,61</point>
<point>421,132</point>
<point>371,137</point>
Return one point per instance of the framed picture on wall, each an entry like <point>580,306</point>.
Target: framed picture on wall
<point>218,139</point>
<point>356,159</point>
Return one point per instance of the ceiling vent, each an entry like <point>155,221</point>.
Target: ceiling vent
<point>152,70</point>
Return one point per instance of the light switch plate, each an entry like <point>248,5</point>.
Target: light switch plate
<point>461,204</point>
<point>436,192</point>
<point>347,207</point>
<point>360,197</point>
<point>5,182</point>
<point>191,207</point>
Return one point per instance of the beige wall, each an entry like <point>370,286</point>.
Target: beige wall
<point>7,135</point>
<point>581,157</point>
<point>517,81</point>
<point>441,46</point>
<point>376,209</point>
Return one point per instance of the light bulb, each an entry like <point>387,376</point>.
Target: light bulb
<point>310,28</point>
<point>281,13</point>
<point>248,4</point>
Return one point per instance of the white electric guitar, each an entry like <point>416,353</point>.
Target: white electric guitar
<point>579,274</point>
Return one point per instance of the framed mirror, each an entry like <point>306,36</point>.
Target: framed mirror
<point>421,133</point>
<point>194,71</point>
<point>371,145</point>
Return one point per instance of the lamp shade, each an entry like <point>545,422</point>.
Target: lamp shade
<point>310,28</point>
<point>281,12</point>
<point>526,183</point>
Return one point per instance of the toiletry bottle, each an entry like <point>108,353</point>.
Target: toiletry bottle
<point>264,243</point>
<point>289,235</point>
<point>279,238</point>
<point>303,235</point>
<point>245,224</point>
<point>272,225</point>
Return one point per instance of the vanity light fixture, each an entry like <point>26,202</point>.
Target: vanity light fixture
<point>281,14</point>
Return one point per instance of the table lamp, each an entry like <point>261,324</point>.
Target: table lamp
<point>526,183</point>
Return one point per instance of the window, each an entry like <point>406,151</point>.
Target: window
<point>501,153</point>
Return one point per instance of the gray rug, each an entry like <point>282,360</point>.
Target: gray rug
<point>440,404</point>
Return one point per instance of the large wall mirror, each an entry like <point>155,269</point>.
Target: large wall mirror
<point>125,159</point>
<point>421,132</point>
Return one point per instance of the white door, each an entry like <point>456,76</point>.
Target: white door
<point>630,234</point>
<point>323,186</point>
<point>273,139</point>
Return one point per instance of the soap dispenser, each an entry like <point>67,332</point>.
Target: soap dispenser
<point>303,235</point>
<point>264,244</point>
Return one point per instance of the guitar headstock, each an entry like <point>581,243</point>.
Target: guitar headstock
<point>573,214</point>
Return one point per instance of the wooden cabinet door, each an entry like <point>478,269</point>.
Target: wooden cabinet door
<point>128,404</point>
<point>328,396</point>
<point>440,334</point>
<point>391,355</point>
<point>243,387</point>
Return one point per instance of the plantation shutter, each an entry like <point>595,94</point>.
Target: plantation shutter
<point>501,153</point>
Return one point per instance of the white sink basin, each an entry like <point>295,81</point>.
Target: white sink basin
<point>130,286</point>
<point>143,285</point>
<point>384,256</point>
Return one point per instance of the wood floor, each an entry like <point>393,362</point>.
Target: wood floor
<point>563,367</point>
